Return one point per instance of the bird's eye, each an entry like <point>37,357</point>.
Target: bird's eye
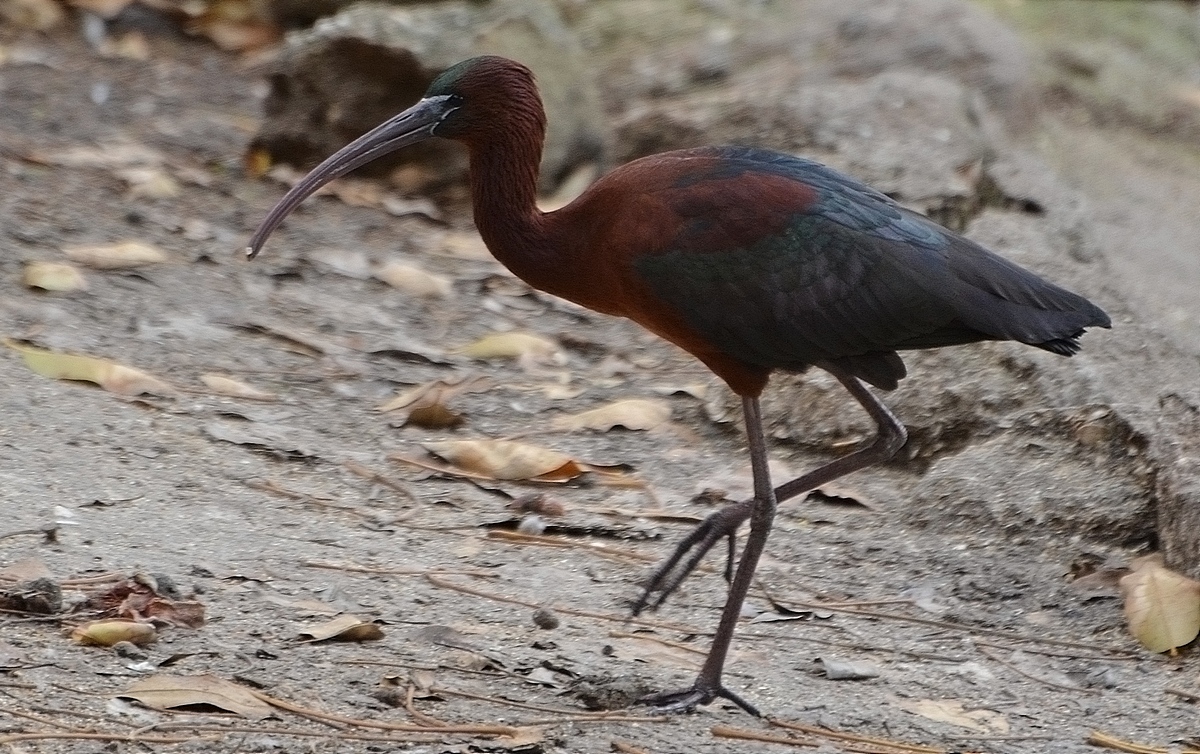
<point>453,105</point>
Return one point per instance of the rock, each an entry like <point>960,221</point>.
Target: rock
<point>1080,472</point>
<point>361,66</point>
<point>904,95</point>
<point>1177,484</point>
<point>953,40</point>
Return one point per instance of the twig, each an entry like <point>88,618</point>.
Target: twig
<point>419,716</point>
<point>599,477</point>
<point>570,715</point>
<point>273,487</point>
<point>445,584</point>
<point>69,735</point>
<point>1052,653</point>
<point>354,568</point>
<point>956,627</point>
<point>596,548</point>
<point>430,735</point>
<point>1182,694</point>
<point>724,731</point>
<point>374,476</point>
<point>42,720</point>
<point>493,730</point>
<point>839,736</point>
<point>1013,667</point>
<point>1096,738</point>
<point>858,646</point>
<point>664,642</point>
<point>883,747</point>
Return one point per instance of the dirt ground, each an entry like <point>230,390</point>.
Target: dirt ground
<point>977,644</point>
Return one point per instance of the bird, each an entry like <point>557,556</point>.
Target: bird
<point>752,260</point>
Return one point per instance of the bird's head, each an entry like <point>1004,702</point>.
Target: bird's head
<point>463,103</point>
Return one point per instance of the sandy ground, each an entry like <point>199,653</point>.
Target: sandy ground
<point>977,644</point>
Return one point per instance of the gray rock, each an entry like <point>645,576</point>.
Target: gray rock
<point>361,66</point>
<point>1077,472</point>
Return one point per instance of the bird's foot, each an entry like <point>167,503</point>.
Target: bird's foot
<point>688,554</point>
<point>686,700</point>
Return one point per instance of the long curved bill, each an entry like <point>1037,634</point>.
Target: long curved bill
<point>409,127</point>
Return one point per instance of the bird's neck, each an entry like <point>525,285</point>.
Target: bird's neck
<point>504,177</point>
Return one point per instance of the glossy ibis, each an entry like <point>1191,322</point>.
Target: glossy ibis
<point>749,259</point>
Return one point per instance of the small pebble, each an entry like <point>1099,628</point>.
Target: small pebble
<point>544,618</point>
<point>129,651</point>
<point>532,525</point>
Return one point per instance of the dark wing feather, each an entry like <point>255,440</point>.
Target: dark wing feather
<point>820,268</point>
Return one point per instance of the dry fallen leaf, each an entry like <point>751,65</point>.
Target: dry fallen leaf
<point>26,569</point>
<point>436,416</point>
<point>294,442</point>
<point>163,692</point>
<point>698,390</point>
<point>1161,606</point>
<point>138,599</point>
<point>109,155</point>
<point>116,256</point>
<point>847,670</point>
<point>504,459</point>
<point>953,712</point>
<point>113,377</point>
<point>344,628</point>
<point>105,633</point>
<point>436,393</point>
<point>53,276</point>
<point>413,280</point>
<point>518,345</point>
<point>234,388</point>
<point>149,182</point>
<point>633,413</point>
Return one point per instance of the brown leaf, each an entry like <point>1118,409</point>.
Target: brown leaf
<point>27,569</point>
<point>53,276</point>
<point>234,388</point>
<point>953,712</point>
<point>344,628</point>
<point>138,599</point>
<point>163,692</point>
<point>435,392</point>
<point>149,183</point>
<point>116,256</point>
<point>113,377</point>
<point>1161,606</point>
<point>633,413</point>
<point>105,633</point>
<point>413,280</point>
<point>523,346</point>
<point>187,613</point>
<point>505,459</point>
<point>436,416</point>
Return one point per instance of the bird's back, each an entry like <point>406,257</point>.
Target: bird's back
<point>779,262</point>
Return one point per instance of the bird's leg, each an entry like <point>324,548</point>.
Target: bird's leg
<point>761,511</point>
<point>707,686</point>
<point>725,522</point>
